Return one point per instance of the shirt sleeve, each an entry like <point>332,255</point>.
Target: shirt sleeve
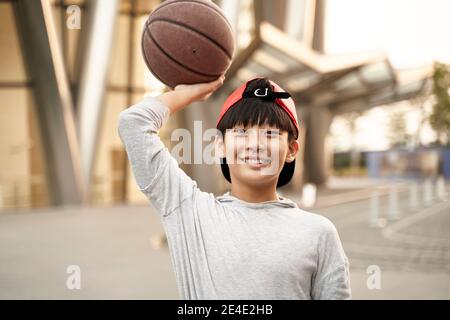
<point>157,173</point>
<point>332,278</point>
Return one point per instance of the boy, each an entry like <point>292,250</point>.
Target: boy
<point>249,243</point>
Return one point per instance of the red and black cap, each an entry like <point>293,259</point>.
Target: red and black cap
<point>273,93</point>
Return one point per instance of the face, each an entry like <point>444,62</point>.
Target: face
<point>256,155</point>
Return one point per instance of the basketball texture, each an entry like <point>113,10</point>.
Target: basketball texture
<point>187,42</point>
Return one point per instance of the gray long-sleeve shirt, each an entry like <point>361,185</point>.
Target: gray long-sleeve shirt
<point>226,248</point>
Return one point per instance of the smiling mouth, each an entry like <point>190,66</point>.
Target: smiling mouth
<point>255,161</point>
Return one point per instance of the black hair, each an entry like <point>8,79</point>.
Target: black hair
<point>257,112</point>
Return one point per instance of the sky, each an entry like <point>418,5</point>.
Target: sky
<point>413,33</point>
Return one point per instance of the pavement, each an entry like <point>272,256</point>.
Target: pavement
<point>121,254</point>
<point>114,247</point>
<point>410,244</point>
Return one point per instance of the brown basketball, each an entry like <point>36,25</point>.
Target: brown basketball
<point>187,42</point>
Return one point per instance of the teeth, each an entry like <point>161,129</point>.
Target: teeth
<point>256,161</point>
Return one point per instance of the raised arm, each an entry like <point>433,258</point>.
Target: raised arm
<point>156,172</point>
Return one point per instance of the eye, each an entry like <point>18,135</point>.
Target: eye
<point>240,131</point>
<point>272,133</point>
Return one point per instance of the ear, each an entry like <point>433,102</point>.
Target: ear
<point>294,147</point>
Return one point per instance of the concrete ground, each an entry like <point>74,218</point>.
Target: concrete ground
<point>410,244</point>
<point>112,246</point>
<point>119,256</point>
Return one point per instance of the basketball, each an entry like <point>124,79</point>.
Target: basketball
<point>187,42</point>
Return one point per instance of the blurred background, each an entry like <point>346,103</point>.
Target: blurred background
<point>371,81</point>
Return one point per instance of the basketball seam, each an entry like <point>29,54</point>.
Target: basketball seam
<point>197,2</point>
<point>177,62</point>
<point>195,31</point>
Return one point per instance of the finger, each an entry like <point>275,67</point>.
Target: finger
<point>207,96</point>
<point>218,82</point>
<point>211,86</point>
<point>181,86</point>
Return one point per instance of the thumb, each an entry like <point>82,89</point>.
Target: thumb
<point>211,86</point>
<point>203,89</point>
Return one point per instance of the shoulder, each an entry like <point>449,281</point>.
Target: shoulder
<point>320,224</point>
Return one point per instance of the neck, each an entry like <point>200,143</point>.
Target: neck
<point>251,194</point>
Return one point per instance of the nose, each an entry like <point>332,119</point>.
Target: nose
<point>254,141</point>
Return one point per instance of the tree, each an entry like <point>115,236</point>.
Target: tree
<point>440,117</point>
<point>420,102</point>
<point>355,155</point>
<point>398,136</point>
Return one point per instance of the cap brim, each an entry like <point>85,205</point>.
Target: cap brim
<point>285,175</point>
